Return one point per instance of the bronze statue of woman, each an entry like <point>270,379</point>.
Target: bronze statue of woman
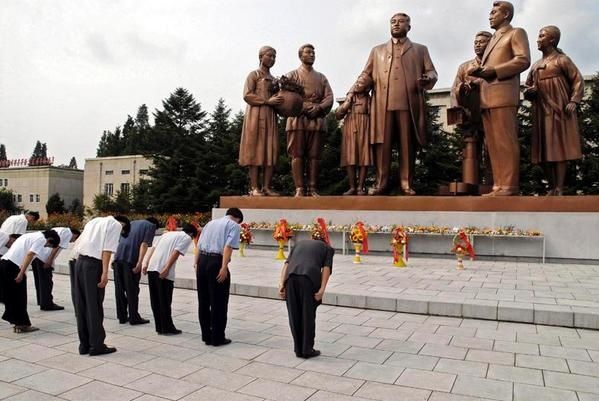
<point>259,147</point>
<point>555,86</point>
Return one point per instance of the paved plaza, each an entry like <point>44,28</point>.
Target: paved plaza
<point>367,355</point>
<point>551,294</point>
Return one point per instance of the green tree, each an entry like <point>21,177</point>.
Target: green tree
<point>122,202</point>
<point>39,157</point>
<point>76,207</point>
<point>141,200</point>
<point>179,177</point>
<point>332,179</point>
<point>439,162</point>
<point>586,171</point>
<point>532,179</point>
<point>111,143</point>
<point>144,130</point>
<point>73,163</point>
<point>55,204</point>
<point>2,152</point>
<point>103,203</point>
<point>7,201</point>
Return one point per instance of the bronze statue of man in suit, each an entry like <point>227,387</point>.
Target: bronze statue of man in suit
<point>401,71</point>
<point>506,56</point>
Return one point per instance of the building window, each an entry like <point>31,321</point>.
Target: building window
<point>125,187</point>
<point>31,198</point>
<point>109,172</point>
<point>37,198</point>
<point>6,182</point>
<point>125,172</point>
<point>19,198</point>
<point>108,189</point>
<point>1,182</point>
<point>143,172</point>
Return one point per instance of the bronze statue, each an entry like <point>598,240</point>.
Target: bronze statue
<point>506,56</point>
<point>401,71</point>
<point>304,132</point>
<point>355,142</point>
<point>259,147</point>
<point>556,87</point>
<point>465,112</point>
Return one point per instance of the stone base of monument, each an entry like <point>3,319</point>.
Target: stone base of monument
<point>568,223</point>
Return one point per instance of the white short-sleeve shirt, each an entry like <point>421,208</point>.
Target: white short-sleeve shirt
<point>3,241</point>
<point>65,235</point>
<point>168,243</point>
<point>16,224</point>
<point>32,242</point>
<point>99,234</point>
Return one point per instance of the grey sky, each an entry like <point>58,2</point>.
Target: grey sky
<point>70,69</point>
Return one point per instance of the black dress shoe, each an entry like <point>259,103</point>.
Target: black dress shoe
<point>299,354</point>
<point>123,321</point>
<point>172,332</point>
<point>83,350</point>
<point>311,354</point>
<point>139,321</point>
<point>52,307</point>
<point>102,351</point>
<point>223,342</point>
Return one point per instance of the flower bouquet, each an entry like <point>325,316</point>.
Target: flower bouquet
<point>281,234</point>
<point>319,231</point>
<point>359,238</point>
<point>399,241</point>
<point>245,238</point>
<point>462,247</point>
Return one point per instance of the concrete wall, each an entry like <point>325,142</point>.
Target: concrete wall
<point>567,235</point>
<point>41,182</point>
<point>96,175</point>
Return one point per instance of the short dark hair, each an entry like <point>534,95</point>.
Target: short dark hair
<point>125,220</point>
<point>52,238</point>
<point>14,236</point>
<point>302,47</point>
<point>235,212</point>
<point>35,215</point>
<point>154,221</point>
<point>506,7</point>
<point>190,229</point>
<point>74,231</point>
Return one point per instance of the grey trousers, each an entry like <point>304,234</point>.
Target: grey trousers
<point>88,301</point>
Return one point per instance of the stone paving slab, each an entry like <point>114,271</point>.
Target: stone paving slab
<point>368,355</point>
<point>548,294</point>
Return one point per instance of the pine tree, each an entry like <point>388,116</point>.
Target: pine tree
<point>332,179</point>
<point>7,201</point>
<point>111,144</point>
<point>2,152</point>
<point>180,177</point>
<point>55,204</point>
<point>73,163</point>
<point>586,171</point>
<point>76,208</point>
<point>532,178</point>
<point>144,130</point>
<point>439,162</point>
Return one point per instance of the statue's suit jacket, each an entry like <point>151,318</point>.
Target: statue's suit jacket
<point>508,52</point>
<point>415,61</point>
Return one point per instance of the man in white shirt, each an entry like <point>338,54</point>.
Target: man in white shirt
<point>43,265</point>
<point>17,224</point>
<point>13,278</point>
<point>160,267</point>
<point>98,241</point>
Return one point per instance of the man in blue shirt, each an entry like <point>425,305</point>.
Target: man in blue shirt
<point>127,269</point>
<point>217,241</point>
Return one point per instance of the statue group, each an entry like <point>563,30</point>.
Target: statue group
<point>386,107</point>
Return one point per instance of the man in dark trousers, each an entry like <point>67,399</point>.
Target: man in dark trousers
<point>43,267</point>
<point>219,238</point>
<point>127,269</point>
<point>303,281</point>
<point>93,250</point>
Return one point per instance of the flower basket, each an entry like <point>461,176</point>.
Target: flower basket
<point>292,104</point>
<point>359,237</point>
<point>245,238</point>
<point>462,247</point>
<point>399,242</point>
<point>281,234</point>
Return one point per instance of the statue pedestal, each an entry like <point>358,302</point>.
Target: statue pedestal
<point>568,223</point>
